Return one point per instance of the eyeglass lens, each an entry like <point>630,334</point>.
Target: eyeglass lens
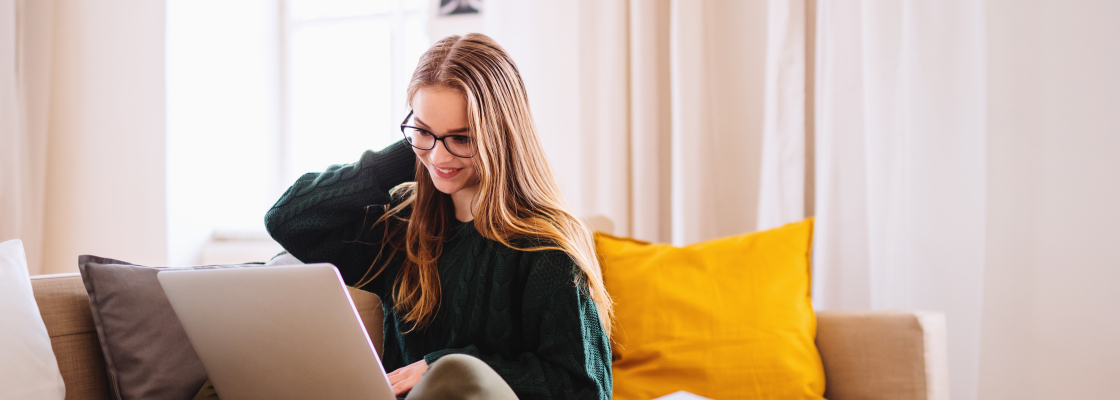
<point>456,144</point>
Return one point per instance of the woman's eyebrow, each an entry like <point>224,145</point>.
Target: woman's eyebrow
<point>460,130</point>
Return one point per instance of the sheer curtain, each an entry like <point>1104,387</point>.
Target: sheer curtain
<point>650,111</point>
<point>785,194</point>
<point>81,130</point>
<point>25,38</point>
<point>901,169</point>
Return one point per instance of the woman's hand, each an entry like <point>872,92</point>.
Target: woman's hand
<point>405,378</point>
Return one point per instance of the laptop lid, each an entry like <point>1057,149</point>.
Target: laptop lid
<point>277,332</point>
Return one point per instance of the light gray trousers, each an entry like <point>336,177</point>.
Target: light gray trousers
<point>454,376</point>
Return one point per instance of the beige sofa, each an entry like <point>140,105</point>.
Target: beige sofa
<point>867,355</point>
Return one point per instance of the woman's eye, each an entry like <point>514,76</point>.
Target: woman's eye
<point>462,140</point>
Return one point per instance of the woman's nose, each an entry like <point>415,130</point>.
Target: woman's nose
<point>439,154</point>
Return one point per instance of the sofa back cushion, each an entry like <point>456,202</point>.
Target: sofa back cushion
<point>728,318</point>
<point>64,305</point>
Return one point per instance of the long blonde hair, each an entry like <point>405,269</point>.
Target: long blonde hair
<point>519,203</point>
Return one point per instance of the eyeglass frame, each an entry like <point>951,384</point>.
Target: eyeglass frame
<point>438,138</point>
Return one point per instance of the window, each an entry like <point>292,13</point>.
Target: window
<point>347,65</point>
<point>260,92</point>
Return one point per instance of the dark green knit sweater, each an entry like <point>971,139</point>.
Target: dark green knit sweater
<point>520,312</point>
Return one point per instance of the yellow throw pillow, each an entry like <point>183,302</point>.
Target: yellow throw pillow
<point>725,319</point>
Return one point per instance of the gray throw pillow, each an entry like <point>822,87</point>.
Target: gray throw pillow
<point>147,353</point>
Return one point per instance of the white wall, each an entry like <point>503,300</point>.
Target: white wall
<point>105,171</point>
<point>1050,321</point>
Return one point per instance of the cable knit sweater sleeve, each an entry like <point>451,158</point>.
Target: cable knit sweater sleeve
<point>328,216</point>
<point>570,354</point>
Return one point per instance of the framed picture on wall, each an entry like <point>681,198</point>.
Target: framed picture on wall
<point>459,7</point>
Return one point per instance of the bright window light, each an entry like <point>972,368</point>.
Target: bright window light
<point>260,92</point>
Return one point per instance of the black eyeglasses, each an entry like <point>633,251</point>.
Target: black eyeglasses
<point>458,145</point>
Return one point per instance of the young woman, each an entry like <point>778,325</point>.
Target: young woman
<point>491,286</point>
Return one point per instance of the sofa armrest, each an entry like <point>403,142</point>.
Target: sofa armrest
<point>898,355</point>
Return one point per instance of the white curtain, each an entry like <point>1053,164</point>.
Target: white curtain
<point>650,111</point>
<point>81,130</point>
<point>782,187</point>
<point>900,173</point>
<point>25,69</point>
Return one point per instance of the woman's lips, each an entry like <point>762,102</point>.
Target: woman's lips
<point>446,173</point>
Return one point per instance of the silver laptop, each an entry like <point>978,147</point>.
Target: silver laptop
<point>283,332</point>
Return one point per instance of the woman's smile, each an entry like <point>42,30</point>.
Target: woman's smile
<point>446,173</point>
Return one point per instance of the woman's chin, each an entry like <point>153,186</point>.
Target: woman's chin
<point>447,187</point>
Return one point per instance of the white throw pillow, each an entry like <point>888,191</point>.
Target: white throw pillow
<point>28,369</point>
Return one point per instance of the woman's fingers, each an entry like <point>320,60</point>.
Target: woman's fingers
<point>401,374</point>
<point>405,384</point>
<point>399,389</point>
<point>394,379</point>
<point>403,379</point>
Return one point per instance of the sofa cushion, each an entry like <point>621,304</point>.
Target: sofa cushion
<point>729,318</point>
<point>28,369</point>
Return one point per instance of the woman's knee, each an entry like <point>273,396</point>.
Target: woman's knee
<point>465,372</point>
<point>461,376</point>
<point>459,362</point>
